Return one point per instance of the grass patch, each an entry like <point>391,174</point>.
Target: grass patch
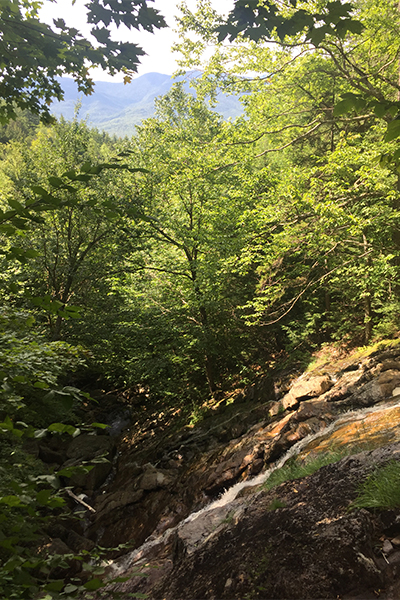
<point>276,503</point>
<point>378,346</point>
<point>294,469</point>
<point>381,489</point>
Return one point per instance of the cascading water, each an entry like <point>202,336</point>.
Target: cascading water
<point>229,496</point>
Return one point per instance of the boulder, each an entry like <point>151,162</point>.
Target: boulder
<point>153,478</point>
<point>86,447</point>
<point>345,386</point>
<point>91,480</point>
<point>300,391</point>
<point>311,388</point>
<point>380,388</point>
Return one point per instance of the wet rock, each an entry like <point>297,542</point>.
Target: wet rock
<point>288,402</point>
<point>311,548</point>
<point>133,522</point>
<point>88,480</point>
<point>226,473</point>
<point>233,444</point>
<point>345,386</point>
<point>300,391</point>
<point>74,541</point>
<point>256,467</point>
<point>302,430</point>
<point>394,559</point>
<point>313,409</point>
<point>390,364</point>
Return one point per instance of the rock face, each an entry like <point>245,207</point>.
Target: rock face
<point>296,541</point>
<point>299,540</point>
<point>156,485</point>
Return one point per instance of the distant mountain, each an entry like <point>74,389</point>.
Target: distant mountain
<point>116,108</point>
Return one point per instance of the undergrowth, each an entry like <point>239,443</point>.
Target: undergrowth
<point>295,469</point>
<point>381,489</point>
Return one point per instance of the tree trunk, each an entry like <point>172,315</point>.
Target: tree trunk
<point>367,300</point>
<point>209,358</point>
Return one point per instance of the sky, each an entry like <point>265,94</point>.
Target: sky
<point>159,57</point>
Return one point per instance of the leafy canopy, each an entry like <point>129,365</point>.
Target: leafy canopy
<point>268,19</point>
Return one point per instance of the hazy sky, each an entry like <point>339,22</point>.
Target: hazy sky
<point>157,46</point>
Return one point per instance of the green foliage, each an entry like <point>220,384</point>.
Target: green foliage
<point>31,370</point>
<point>296,469</point>
<point>381,489</point>
<point>275,20</point>
<point>185,285</point>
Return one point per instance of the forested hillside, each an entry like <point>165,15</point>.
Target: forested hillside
<point>186,261</point>
<point>117,107</point>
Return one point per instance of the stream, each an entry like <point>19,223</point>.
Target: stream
<point>200,525</point>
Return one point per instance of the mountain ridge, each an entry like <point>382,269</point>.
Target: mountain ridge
<point>117,108</point>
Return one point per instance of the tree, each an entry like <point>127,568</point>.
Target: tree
<point>269,39</point>
<point>34,55</point>
<point>194,203</point>
<point>75,246</point>
<point>306,95</point>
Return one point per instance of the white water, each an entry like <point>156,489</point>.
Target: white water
<point>229,495</point>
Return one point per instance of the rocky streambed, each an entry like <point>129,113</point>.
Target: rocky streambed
<point>297,540</point>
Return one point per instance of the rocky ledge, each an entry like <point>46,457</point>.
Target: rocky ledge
<point>296,541</point>
<point>299,540</point>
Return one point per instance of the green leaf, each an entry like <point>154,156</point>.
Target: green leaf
<point>7,424</point>
<point>39,190</point>
<point>86,167</point>
<point>59,427</point>
<point>94,584</point>
<point>41,385</point>
<point>83,177</point>
<point>393,130</point>
<point>55,586</point>
<point>16,206</point>
<point>349,102</point>
<point>70,588</point>
<point>7,229</point>
<point>43,496</point>
<point>56,182</point>
<point>11,500</point>
<point>30,253</point>
<point>70,174</point>
<point>380,109</point>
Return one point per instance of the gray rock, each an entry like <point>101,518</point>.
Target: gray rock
<point>153,478</point>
